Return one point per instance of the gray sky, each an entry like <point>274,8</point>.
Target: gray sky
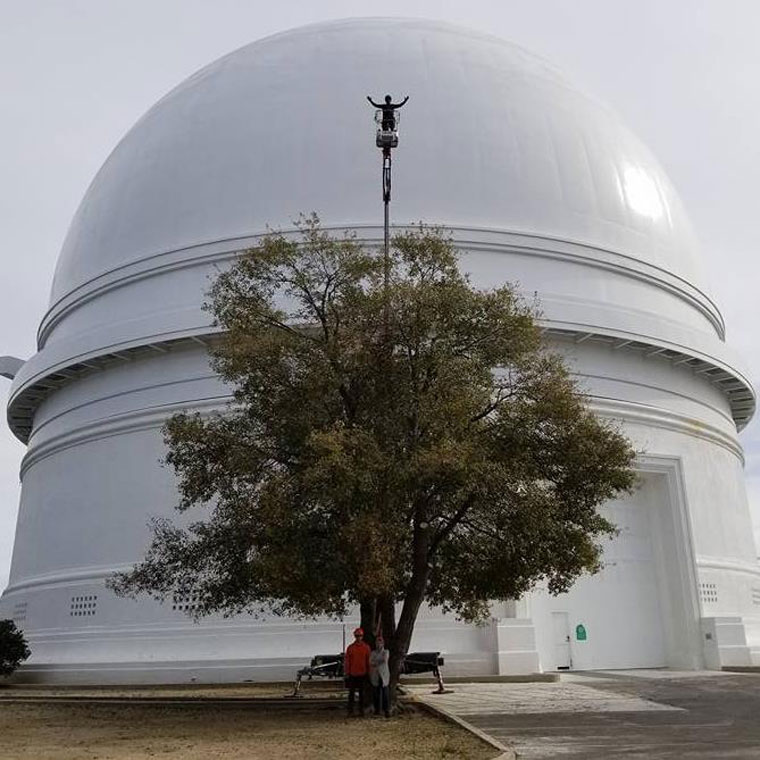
<point>75,76</point>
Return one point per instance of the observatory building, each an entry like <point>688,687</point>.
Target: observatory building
<point>540,184</point>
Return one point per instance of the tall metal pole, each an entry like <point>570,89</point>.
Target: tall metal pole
<point>387,205</point>
<point>386,139</point>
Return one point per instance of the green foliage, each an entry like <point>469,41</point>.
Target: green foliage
<point>403,444</point>
<point>13,648</point>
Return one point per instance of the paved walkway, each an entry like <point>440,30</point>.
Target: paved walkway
<point>657,715</point>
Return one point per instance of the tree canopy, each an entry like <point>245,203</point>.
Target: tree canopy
<point>400,444</point>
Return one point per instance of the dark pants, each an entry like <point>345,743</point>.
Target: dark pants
<point>354,684</point>
<point>380,698</point>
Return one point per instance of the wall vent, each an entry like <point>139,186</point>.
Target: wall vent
<point>83,606</point>
<point>187,603</point>
<point>708,592</point>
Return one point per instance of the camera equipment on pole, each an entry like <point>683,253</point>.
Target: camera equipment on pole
<point>386,138</point>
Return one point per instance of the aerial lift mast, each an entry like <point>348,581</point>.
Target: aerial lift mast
<point>386,138</point>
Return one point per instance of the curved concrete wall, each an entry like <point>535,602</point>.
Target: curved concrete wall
<point>106,429</point>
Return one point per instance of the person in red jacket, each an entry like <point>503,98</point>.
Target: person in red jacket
<point>356,670</point>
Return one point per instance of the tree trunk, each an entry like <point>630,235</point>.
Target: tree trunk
<point>368,613</point>
<point>405,628</point>
<point>387,609</point>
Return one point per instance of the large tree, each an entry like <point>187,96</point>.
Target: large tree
<point>392,440</point>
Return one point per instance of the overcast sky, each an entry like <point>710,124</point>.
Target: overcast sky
<point>76,74</point>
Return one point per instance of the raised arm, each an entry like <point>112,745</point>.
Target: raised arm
<point>377,105</point>
<point>398,105</point>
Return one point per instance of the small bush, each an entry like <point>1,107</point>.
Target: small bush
<point>13,648</point>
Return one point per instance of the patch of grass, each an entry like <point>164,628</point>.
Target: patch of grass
<point>54,731</point>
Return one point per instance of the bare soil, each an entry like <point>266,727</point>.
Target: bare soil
<point>102,731</point>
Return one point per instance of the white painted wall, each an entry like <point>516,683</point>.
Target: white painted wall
<point>551,191</point>
<point>639,612</point>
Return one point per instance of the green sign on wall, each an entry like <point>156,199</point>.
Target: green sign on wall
<point>580,632</point>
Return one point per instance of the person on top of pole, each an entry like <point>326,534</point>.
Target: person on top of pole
<point>388,108</point>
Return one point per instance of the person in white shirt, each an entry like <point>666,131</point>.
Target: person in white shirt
<point>380,676</point>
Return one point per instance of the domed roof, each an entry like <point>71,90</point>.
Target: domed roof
<point>492,138</point>
<point>538,183</point>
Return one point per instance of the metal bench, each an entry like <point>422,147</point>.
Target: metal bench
<point>331,666</point>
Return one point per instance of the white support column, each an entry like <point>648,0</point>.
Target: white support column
<point>515,639</point>
<point>724,642</point>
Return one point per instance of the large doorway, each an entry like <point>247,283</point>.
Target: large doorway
<point>633,614</point>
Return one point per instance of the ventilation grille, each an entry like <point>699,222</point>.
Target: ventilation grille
<point>83,606</point>
<point>708,592</point>
<point>187,603</point>
<point>19,612</point>
<point>756,596</point>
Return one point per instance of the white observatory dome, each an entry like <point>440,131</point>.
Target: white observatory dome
<point>539,184</point>
<point>496,146</point>
<point>492,138</point>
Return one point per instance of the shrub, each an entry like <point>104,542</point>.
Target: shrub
<point>13,648</point>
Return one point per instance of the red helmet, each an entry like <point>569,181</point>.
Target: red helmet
<point>358,632</point>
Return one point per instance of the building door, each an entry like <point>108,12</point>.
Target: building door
<point>561,631</point>
<point>619,618</point>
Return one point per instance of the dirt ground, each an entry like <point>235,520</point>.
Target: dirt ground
<point>309,689</point>
<point>65,731</point>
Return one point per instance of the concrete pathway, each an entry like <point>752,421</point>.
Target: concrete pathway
<point>657,715</point>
